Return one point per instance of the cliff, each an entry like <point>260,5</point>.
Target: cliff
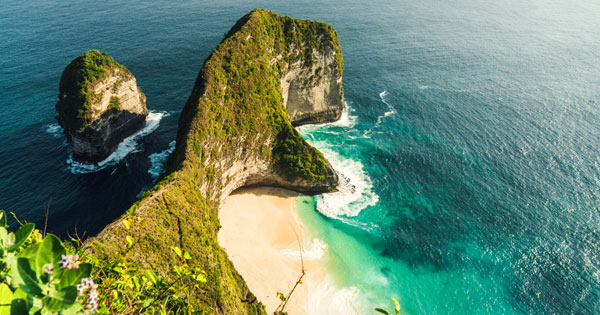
<point>99,105</point>
<point>312,86</point>
<point>234,131</point>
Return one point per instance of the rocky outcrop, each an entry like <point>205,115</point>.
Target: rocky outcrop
<point>312,91</point>
<point>235,131</point>
<point>99,105</point>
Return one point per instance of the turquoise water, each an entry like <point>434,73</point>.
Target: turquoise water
<point>469,151</point>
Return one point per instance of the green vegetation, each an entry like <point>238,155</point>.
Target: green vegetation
<point>396,308</point>
<point>38,276</point>
<point>41,275</point>
<point>114,103</point>
<point>162,255</point>
<point>76,95</point>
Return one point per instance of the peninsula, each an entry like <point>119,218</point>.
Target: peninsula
<point>269,73</point>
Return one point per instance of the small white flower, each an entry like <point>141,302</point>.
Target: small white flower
<point>48,269</point>
<point>69,262</point>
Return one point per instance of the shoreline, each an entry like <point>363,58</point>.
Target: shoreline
<point>260,233</point>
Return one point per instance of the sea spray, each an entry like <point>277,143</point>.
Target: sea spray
<point>355,191</point>
<point>390,111</point>
<point>347,120</point>
<point>55,130</point>
<point>325,298</point>
<point>157,160</point>
<point>127,146</point>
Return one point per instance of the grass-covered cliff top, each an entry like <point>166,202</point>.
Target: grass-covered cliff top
<point>233,128</point>
<point>238,92</point>
<point>76,86</point>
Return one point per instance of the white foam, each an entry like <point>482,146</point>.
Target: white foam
<point>391,111</point>
<point>326,298</point>
<point>355,192</point>
<point>347,120</point>
<point>54,130</point>
<point>127,146</point>
<point>313,251</point>
<point>157,160</point>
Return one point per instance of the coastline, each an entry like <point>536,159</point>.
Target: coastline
<point>260,233</point>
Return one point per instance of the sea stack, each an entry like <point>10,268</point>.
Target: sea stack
<point>99,105</point>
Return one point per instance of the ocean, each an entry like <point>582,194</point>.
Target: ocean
<point>468,151</point>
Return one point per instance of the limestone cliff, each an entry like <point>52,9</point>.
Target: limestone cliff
<point>234,131</point>
<point>99,105</point>
<point>312,87</point>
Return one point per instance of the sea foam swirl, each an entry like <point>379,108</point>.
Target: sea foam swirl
<point>355,191</point>
<point>157,160</point>
<point>127,146</point>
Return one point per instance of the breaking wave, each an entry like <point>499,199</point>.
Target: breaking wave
<point>157,160</point>
<point>127,146</point>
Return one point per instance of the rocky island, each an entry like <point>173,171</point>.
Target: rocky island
<point>269,73</point>
<point>99,105</point>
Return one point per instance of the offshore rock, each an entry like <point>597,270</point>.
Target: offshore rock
<point>99,105</point>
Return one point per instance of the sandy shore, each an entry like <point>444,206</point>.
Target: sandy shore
<point>257,232</point>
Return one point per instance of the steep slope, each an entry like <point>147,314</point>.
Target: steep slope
<point>99,105</point>
<point>233,131</point>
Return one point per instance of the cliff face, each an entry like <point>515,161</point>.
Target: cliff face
<point>99,105</point>
<point>234,131</point>
<point>312,88</point>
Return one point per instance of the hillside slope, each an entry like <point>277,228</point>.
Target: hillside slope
<point>233,131</point>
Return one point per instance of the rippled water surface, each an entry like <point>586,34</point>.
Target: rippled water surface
<point>469,151</point>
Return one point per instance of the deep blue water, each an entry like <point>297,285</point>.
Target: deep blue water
<point>478,191</point>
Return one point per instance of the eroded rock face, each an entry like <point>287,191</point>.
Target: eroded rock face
<point>312,92</point>
<point>235,131</point>
<point>99,105</point>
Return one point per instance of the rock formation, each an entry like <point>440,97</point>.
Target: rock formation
<point>99,105</point>
<point>234,131</point>
<point>312,88</point>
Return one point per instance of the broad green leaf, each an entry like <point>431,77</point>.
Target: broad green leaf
<point>187,256</point>
<point>49,252</point>
<point>18,307</point>
<point>3,236</point>
<point>35,305</point>
<point>21,236</point>
<point>6,296</point>
<point>396,306</point>
<point>127,224</point>
<point>30,282</point>
<point>73,276</point>
<point>29,252</point>
<point>3,218</point>
<point>74,309</point>
<point>382,311</point>
<point>58,300</point>
<point>177,250</point>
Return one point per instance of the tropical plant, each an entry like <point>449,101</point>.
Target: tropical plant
<point>37,275</point>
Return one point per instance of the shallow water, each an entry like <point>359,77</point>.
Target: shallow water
<point>470,146</point>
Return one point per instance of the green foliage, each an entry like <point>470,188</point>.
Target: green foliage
<point>114,103</point>
<point>36,275</point>
<point>163,254</point>
<point>75,89</point>
<point>396,308</point>
<point>239,95</point>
